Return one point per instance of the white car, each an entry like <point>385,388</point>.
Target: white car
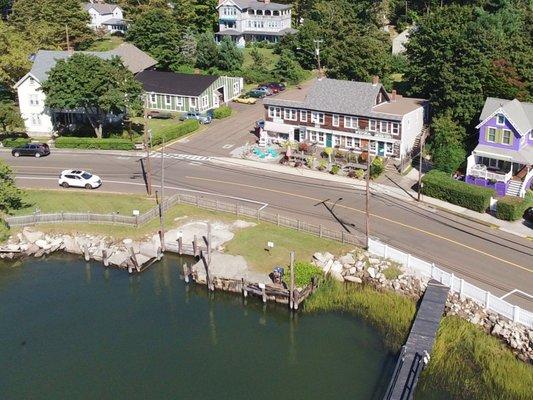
<point>79,178</point>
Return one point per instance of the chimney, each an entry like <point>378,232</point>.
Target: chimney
<point>197,71</point>
<point>393,95</point>
<point>375,80</point>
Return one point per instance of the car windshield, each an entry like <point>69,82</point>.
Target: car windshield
<point>86,175</point>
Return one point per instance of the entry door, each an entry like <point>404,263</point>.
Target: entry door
<point>297,135</point>
<point>381,148</point>
<point>216,100</point>
<point>329,142</point>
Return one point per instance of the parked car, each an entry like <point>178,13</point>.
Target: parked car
<point>245,100</point>
<point>31,149</point>
<point>79,178</point>
<point>528,215</point>
<point>274,86</point>
<point>159,114</point>
<point>260,124</point>
<point>266,90</point>
<point>203,119</point>
<point>258,94</point>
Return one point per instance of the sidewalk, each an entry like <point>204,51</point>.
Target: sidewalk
<point>404,194</point>
<point>125,153</point>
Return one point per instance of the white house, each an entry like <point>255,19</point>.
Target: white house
<point>41,121</point>
<point>253,20</point>
<point>106,16</point>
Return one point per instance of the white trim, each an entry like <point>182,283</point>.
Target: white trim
<point>304,112</point>
<point>486,153</point>
<point>335,117</point>
<point>500,111</point>
<point>21,80</point>
<point>488,134</point>
<point>498,117</point>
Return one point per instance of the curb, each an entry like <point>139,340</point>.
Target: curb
<point>132,153</point>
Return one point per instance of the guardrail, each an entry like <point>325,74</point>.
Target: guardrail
<point>458,285</point>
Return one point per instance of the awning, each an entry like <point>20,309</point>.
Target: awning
<point>279,128</point>
<point>522,156</point>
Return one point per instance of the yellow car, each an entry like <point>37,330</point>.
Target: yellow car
<point>245,100</point>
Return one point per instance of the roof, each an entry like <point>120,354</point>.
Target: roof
<point>133,58</point>
<point>352,98</point>
<point>260,5</point>
<point>282,32</point>
<point>175,83</point>
<point>101,8</point>
<point>522,156</point>
<point>520,114</point>
<point>114,21</point>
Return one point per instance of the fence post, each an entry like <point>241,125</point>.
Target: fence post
<point>408,260</point>
<point>299,229</point>
<point>452,278</point>
<point>319,230</point>
<point>258,215</point>
<point>461,286</point>
<point>487,299</point>
<point>216,204</point>
<point>237,209</point>
<point>178,199</point>
<point>88,216</point>
<point>113,218</point>
<point>136,221</point>
<point>516,313</point>
<point>197,201</point>
<point>432,270</point>
<point>386,251</point>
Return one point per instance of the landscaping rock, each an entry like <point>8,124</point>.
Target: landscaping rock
<point>353,279</point>
<point>347,259</point>
<point>32,236</point>
<point>372,272</point>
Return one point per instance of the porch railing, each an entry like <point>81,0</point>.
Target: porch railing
<point>480,171</point>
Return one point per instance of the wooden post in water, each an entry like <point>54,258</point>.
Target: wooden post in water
<point>186,274</point>
<point>195,246</point>
<point>244,291</point>
<point>262,286</point>
<point>104,258</point>
<point>291,293</point>
<point>134,260</point>
<point>210,284</point>
<point>180,245</point>
<point>86,252</point>
<point>296,299</point>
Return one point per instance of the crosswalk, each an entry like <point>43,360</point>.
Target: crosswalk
<point>174,156</point>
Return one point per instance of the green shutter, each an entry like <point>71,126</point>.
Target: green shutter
<point>487,130</point>
<point>511,137</point>
<point>499,135</point>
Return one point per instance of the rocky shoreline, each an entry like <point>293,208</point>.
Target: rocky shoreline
<point>360,267</point>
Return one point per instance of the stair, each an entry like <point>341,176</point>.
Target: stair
<point>514,188</point>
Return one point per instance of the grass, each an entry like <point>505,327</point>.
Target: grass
<point>155,124</point>
<point>83,201</point>
<point>467,363</point>
<point>270,58</point>
<point>107,43</point>
<point>251,244</point>
<point>392,272</point>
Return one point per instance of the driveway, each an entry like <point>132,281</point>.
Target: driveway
<point>222,137</point>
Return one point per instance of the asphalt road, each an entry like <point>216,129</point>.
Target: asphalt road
<point>487,257</point>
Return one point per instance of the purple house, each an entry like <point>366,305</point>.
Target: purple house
<point>503,157</point>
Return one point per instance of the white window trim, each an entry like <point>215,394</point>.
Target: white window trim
<point>193,103</point>
<point>303,116</point>
<point>370,121</point>
<point>168,100</point>
<point>153,99</point>
<point>383,124</point>
<point>290,114</point>
<point>498,119</point>
<point>179,101</point>
<point>395,128</point>
<point>503,136</point>
<point>488,134</point>
<point>317,117</point>
<point>335,120</point>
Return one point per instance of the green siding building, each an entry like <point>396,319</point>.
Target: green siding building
<point>175,92</point>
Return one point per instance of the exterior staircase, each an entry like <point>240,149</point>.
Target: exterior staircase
<point>514,188</point>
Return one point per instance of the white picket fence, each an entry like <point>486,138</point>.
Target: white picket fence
<point>458,285</point>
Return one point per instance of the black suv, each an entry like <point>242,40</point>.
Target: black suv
<point>31,149</point>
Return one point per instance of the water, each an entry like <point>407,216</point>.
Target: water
<point>74,330</point>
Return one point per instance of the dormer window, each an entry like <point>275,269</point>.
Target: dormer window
<point>32,81</point>
<point>379,98</point>
<point>500,119</point>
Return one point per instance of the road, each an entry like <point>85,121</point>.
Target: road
<point>487,257</point>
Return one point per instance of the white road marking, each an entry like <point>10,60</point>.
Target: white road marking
<point>516,291</point>
<point>265,206</point>
<point>227,146</point>
<point>173,156</point>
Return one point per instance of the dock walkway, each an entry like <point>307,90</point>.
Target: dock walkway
<point>415,353</point>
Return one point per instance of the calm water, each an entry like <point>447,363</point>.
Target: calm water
<point>74,330</point>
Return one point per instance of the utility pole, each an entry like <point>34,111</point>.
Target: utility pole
<point>161,224</point>
<point>317,53</point>
<point>422,144</point>
<point>147,147</point>
<point>367,201</point>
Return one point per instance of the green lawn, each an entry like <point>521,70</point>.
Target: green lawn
<point>269,55</point>
<point>155,124</point>
<point>107,43</point>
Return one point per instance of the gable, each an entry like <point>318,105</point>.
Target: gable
<point>26,78</point>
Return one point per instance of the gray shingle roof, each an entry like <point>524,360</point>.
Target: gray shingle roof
<point>175,83</point>
<point>133,58</point>
<point>114,21</point>
<point>519,113</point>
<point>101,8</point>
<point>259,5</point>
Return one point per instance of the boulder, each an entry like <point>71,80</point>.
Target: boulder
<point>43,244</point>
<point>13,247</point>
<point>71,245</point>
<point>374,261</point>
<point>32,236</point>
<point>353,279</point>
<point>352,271</point>
<point>319,257</point>
<point>149,249</point>
<point>372,272</point>
<point>336,267</point>
<point>327,266</point>
<point>347,259</point>
<point>337,276</point>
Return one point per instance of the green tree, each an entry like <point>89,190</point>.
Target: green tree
<point>15,50</point>
<point>230,57</point>
<point>157,33</point>
<point>205,15</point>
<point>447,144</point>
<point>188,48</point>
<point>184,13</point>
<point>288,69</point>
<point>9,116</point>
<point>259,60</point>
<point>11,197</point>
<point>49,18</point>
<point>95,85</point>
<point>206,51</point>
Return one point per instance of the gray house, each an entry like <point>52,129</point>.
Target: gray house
<point>176,92</point>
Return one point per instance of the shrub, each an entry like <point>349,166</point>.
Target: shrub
<point>15,142</point>
<point>512,208</point>
<point>304,147</point>
<point>4,230</point>
<point>359,173</point>
<point>335,169</point>
<point>377,167</point>
<point>174,132</point>
<point>93,143</point>
<point>303,272</point>
<point>322,165</point>
<point>310,161</point>
<point>222,112</point>
<point>441,186</point>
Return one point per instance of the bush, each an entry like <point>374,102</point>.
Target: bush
<point>377,167</point>
<point>93,143</point>
<point>512,208</point>
<point>15,142</point>
<point>4,230</point>
<point>441,186</point>
<point>303,272</point>
<point>222,112</point>
<point>335,169</point>
<point>174,132</point>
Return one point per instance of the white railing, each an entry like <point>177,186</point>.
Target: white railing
<point>480,171</point>
<point>456,284</point>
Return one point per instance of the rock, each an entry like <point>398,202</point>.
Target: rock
<point>39,253</point>
<point>374,261</point>
<point>352,271</point>
<point>327,266</point>
<point>337,276</point>
<point>119,258</point>
<point>320,258</point>
<point>353,279</point>
<point>149,249</point>
<point>32,236</point>
<point>240,224</point>
<point>43,244</point>
<point>71,245</point>
<point>13,247</point>
<point>372,272</point>
<point>359,266</point>
<point>32,249</point>
<point>347,259</point>
<point>336,267</point>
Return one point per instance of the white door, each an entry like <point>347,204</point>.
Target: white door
<point>216,101</point>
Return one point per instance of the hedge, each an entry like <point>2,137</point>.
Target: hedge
<point>93,143</point>
<point>15,142</point>
<point>222,112</point>
<point>174,132</point>
<point>511,208</point>
<point>442,186</point>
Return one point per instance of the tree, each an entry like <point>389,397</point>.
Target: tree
<point>230,57</point>
<point>206,51</point>
<point>205,15</point>
<point>15,50</point>
<point>11,197</point>
<point>97,86</point>
<point>188,48</point>
<point>447,144</point>
<point>51,17</point>
<point>9,116</point>
<point>288,69</point>
<point>157,33</point>
<point>259,59</point>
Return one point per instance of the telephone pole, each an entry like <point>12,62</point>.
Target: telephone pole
<point>317,53</point>
<point>367,200</point>
<point>161,223</point>
<point>148,171</point>
<point>420,163</point>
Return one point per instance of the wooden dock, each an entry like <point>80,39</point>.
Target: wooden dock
<point>415,354</point>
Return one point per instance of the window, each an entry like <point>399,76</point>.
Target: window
<point>317,117</point>
<point>491,135</point>
<point>372,146</point>
<point>395,128</point>
<point>274,112</point>
<point>205,101</point>
<point>168,101</point>
<point>336,140</point>
<point>192,102</point>
<point>349,142</point>
<point>236,87</point>
<point>303,115</point>
<point>500,119</point>
<point>384,126</point>
<point>388,148</point>
<point>313,136</point>
<point>153,99</point>
<point>321,137</point>
<point>373,125</point>
<point>335,120</point>
<point>506,136</point>
<point>350,122</point>
<point>179,101</point>
<point>493,163</point>
<point>290,114</point>
<point>34,100</point>
<point>32,81</point>
<point>36,119</point>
